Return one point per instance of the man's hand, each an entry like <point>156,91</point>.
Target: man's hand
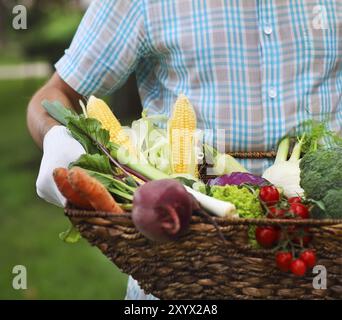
<point>60,149</point>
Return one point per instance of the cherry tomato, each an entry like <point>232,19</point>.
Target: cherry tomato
<point>299,210</point>
<point>277,213</point>
<point>309,258</point>
<point>298,267</point>
<point>267,236</point>
<point>269,194</point>
<point>294,200</point>
<point>283,260</point>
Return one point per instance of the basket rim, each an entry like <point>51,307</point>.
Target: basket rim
<point>88,214</point>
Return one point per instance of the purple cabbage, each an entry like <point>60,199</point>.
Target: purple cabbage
<point>238,178</point>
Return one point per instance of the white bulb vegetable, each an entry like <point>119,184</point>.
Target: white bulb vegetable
<point>285,174</point>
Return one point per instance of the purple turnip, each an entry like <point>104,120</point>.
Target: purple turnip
<point>162,209</point>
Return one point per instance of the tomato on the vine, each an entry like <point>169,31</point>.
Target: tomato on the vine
<point>283,260</point>
<point>294,200</point>
<point>299,210</point>
<point>309,258</point>
<point>268,236</point>
<point>298,267</point>
<point>299,235</point>
<point>275,212</point>
<point>305,240</point>
<point>269,194</point>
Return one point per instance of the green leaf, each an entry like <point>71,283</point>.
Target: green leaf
<point>88,131</point>
<point>94,128</point>
<point>71,235</point>
<point>185,181</point>
<point>318,203</point>
<point>94,162</point>
<point>59,112</point>
<point>81,137</point>
<point>82,129</point>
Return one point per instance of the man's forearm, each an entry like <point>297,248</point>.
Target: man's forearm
<point>38,120</point>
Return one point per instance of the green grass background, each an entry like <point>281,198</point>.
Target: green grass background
<point>29,227</point>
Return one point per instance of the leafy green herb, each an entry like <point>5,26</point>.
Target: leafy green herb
<point>316,135</point>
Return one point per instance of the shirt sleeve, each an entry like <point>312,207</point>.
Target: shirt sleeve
<point>106,47</point>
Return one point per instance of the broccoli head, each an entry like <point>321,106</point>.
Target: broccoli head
<point>321,179</point>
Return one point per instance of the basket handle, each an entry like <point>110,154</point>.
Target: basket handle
<point>253,154</point>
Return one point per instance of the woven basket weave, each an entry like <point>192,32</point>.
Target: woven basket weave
<point>200,265</point>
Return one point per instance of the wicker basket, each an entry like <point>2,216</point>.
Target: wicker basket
<point>201,265</point>
<point>209,264</point>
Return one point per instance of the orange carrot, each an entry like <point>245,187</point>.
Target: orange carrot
<point>92,190</point>
<point>60,175</point>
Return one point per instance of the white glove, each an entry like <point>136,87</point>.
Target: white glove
<point>60,149</point>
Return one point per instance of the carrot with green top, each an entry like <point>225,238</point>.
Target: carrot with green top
<point>93,191</point>
<point>60,175</point>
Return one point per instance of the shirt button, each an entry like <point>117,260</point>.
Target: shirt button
<point>272,93</point>
<point>268,29</point>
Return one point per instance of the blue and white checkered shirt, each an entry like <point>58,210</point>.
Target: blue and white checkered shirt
<point>252,69</point>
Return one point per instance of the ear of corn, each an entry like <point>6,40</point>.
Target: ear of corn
<point>181,131</point>
<point>99,110</point>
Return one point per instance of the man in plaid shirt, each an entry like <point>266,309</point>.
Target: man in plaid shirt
<point>252,69</point>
